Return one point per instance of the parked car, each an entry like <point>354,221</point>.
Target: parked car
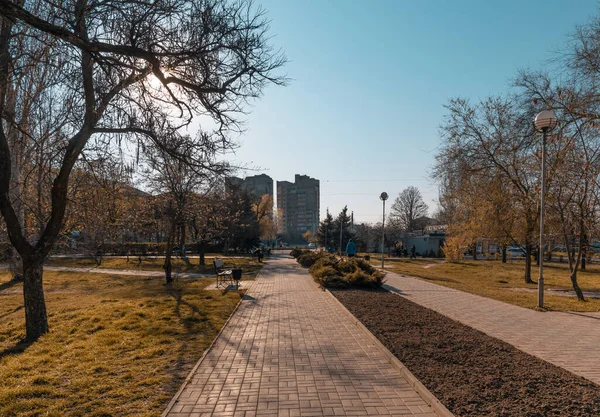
<point>311,245</point>
<point>514,251</point>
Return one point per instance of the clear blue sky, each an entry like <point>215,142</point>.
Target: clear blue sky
<point>369,81</point>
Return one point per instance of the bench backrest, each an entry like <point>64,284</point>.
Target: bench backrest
<point>218,263</point>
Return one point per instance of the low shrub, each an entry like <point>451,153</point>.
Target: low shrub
<point>453,249</point>
<point>360,278</point>
<point>332,272</point>
<point>308,258</point>
<point>324,268</point>
<point>296,252</point>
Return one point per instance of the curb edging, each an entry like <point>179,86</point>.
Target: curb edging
<point>429,398</point>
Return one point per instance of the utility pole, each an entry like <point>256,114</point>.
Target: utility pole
<point>383,197</point>
<point>341,230</point>
<point>544,122</point>
<point>326,229</point>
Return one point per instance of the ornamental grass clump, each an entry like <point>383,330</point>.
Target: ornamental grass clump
<point>332,272</point>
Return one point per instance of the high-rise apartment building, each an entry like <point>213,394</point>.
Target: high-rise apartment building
<point>256,185</point>
<point>299,205</point>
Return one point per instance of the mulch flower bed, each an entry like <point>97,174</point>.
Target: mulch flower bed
<point>471,373</point>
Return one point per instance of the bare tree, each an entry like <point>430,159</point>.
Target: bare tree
<point>177,183</point>
<point>101,207</point>
<point>407,209</point>
<point>491,145</point>
<point>208,219</point>
<point>574,160</point>
<point>125,71</point>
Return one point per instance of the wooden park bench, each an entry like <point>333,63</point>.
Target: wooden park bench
<point>226,277</point>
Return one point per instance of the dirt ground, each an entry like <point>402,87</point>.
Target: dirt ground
<point>471,373</point>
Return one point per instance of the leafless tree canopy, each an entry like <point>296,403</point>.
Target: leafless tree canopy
<point>407,209</point>
<point>91,76</point>
<point>489,165</point>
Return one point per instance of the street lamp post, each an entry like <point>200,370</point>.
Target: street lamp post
<point>383,197</point>
<point>544,122</point>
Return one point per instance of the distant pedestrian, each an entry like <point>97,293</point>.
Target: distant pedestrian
<point>351,249</point>
<point>413,252</point>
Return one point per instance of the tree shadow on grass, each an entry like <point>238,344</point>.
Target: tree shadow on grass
<point>582,315</point>
<point>189,321</point>
<point>439,279</point>
<point>18,348</point>
<point>10,283</point>
<point>11,312</point>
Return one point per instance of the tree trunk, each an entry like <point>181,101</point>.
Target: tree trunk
<point>475,251</point>
<point>573,277</point>
<point>528,250</point>
<point>168,268</point>
<point>584,250</point>
<point>167,265</point>
<point>182,239</point>
<point>201,252</point>
<point>36,318</point>
<point>504,254</point>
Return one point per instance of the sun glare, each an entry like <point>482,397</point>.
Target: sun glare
<point>155,83</point>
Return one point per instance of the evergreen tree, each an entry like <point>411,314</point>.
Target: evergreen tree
<point>325,232</point>
<point>343,224</point>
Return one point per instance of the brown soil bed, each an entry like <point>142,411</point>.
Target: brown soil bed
<point>471,373</point>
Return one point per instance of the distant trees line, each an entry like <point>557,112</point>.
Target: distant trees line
<point>408,213</point>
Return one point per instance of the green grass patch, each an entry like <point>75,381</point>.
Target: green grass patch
<point>118,345</point>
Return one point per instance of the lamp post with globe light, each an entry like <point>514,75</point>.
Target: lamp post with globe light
<point>544,122</point>
<point>383,196</point>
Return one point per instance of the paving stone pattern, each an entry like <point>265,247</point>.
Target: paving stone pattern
<point>291,350</point>
<point>568,340</point>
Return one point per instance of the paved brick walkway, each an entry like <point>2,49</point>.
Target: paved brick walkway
<point>569,340</point>
<point>291,350</point>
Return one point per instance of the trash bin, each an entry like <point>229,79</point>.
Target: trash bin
<point>236,273</point>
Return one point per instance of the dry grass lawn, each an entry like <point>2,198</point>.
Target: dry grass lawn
<point>118,345</point>
<point>502,282</point>
<point>150,263</point>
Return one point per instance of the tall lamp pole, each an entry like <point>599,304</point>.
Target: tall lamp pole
<point>544,122</point>
<point>383,197</point>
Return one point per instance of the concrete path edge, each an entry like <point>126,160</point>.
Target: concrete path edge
<point>429,398</point>
<point>204,354</point>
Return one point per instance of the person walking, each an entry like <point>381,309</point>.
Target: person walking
<point>413,251</point>
<point>351,249</point>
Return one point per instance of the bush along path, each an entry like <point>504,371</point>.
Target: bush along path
<point>331,271</point>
